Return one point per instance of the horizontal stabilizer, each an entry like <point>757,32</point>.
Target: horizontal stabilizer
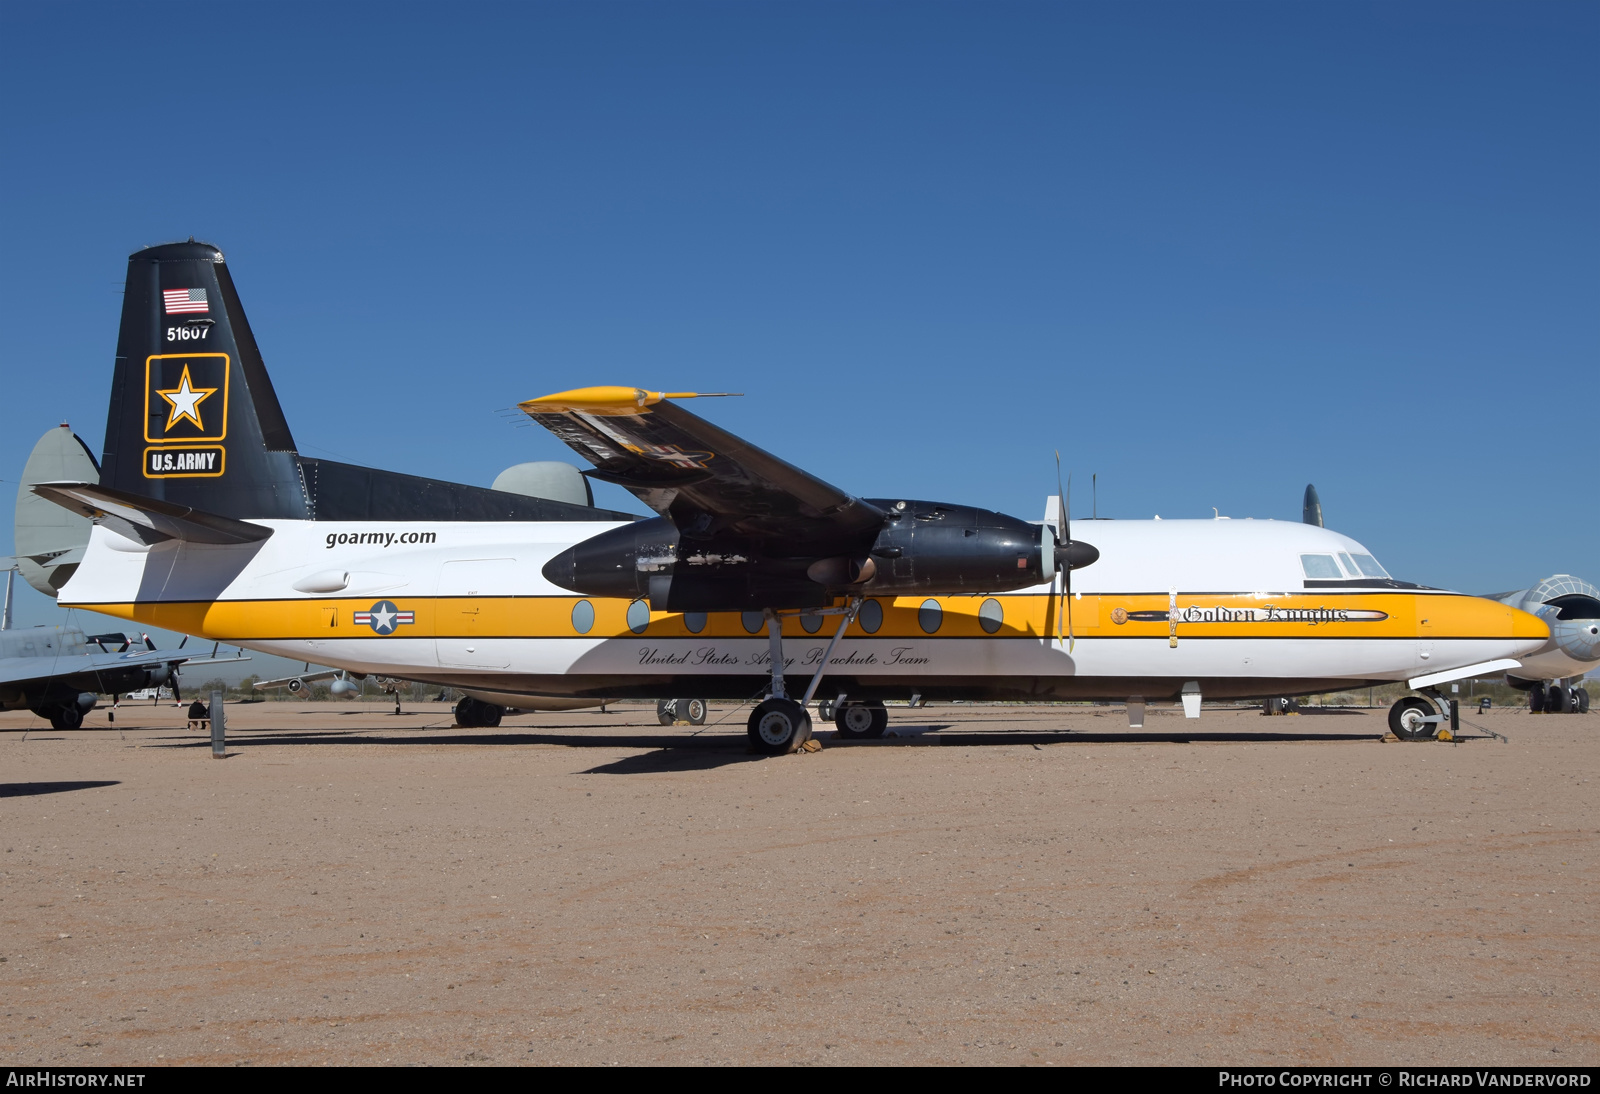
<point>149,520</point>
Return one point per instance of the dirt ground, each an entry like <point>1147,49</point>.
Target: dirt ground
<point>350,886</point>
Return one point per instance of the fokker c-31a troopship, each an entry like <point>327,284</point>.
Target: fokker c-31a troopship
<point>209,521</point>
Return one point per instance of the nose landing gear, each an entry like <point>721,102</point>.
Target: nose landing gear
<point>1424,717</point>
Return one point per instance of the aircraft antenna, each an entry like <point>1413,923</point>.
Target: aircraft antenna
<point>11,582</point>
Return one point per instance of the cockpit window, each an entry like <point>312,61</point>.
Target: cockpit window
<point>1369,566</point>
<point>1320,566</point>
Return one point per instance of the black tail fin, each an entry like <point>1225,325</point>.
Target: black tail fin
<point>193,417</point>
<point>194,420</point>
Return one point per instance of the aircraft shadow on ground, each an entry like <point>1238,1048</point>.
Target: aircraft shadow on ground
<point>1136,737</point>
<point>29,790</point>
<point>669,752</point>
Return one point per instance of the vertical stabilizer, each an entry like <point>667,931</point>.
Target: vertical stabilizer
<point>193,418</point>
<point>49,539</point>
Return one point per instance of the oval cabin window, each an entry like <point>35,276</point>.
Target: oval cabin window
<point>582,617</point>
<point>929,616</point>
<point>870,616</point>
<point>991,616</point>
<point>695,621</point>
<point>638,616</point>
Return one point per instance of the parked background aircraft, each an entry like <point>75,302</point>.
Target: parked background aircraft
<point>59,673</point>
<point>1553,675</point>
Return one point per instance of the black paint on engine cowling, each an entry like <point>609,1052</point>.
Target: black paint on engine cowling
<point>933,549</point>
<point>927,548</point>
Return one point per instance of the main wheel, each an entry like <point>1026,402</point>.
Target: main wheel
<point>1582,695</point>
<point>467,713</point>
<point>666,711</point>
<point>861,720</point>
<point>1555,700</point>
<point>1406,719</point>
<point>489,714</point>
<point>692,711</point>
<point>825,710</point>
<point>1536,699</point>
<point>66,717</point>
<point>778,726</point>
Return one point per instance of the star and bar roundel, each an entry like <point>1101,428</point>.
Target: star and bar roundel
<point>383,617</point>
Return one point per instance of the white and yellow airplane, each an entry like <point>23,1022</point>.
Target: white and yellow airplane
<point>755,580</point>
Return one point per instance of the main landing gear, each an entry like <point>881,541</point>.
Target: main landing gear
<point>474,714</point>
<point>861,720</point>
<point>671,712</point>
<point>1557,699</point>
<point>779,725</point>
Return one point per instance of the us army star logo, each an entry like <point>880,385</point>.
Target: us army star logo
<point>185,400</point>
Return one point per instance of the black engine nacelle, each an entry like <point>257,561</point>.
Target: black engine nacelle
<point>925,548</point>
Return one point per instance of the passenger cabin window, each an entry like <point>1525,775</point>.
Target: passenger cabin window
<point>1320,567</point>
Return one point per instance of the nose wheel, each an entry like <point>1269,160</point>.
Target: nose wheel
<point>1409,719</point>
<point>1423,717</point>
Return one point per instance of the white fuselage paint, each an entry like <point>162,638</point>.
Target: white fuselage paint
<point>1259,559</point>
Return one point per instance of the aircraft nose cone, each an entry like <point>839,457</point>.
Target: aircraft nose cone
<point>561,570</point>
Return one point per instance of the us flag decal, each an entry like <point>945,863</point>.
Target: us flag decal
<point>182,301</point>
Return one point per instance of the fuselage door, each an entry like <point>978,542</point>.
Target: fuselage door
<point>470,613</point>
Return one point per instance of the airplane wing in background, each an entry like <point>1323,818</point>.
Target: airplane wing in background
<point>295,683</point>
<point>704,479</point>
<point>19,670</point>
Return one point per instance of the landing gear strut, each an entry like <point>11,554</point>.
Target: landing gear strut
<point>778,725</point>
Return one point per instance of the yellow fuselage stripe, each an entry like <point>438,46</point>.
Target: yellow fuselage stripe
<point>1407,615</point>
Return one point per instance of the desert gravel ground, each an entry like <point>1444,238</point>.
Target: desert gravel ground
<point>351,886</point>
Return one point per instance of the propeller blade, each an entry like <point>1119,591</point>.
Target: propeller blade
<point>1061,522</point>
<point>1066,574</point>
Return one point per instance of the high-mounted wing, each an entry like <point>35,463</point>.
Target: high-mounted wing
<point>708,482</point>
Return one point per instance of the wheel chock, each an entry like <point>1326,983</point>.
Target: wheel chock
<point>1387,737</point>
<point>811,745</point>
<point>1445,735</point>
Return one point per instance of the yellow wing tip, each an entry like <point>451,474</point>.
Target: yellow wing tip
<point>605,400</point>
<point>595,400</point>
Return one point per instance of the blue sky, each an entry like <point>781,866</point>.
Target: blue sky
<point>1211,251</point>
